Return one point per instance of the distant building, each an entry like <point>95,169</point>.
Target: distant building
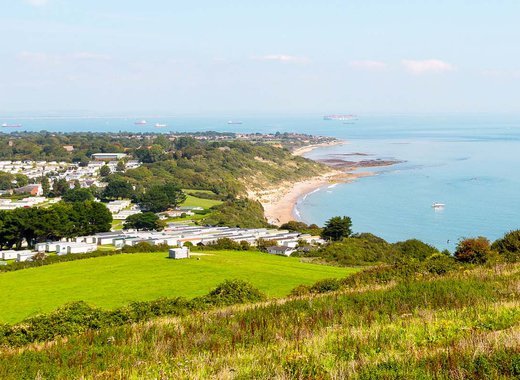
<point>108,156</point>
<point>35,190</point>
<point>275,250</point>
<point>69,148</point>
<point>179,253</point>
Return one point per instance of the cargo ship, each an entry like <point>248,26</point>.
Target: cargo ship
<point>5,125</point>
<point>339,117</point>
<point>141,122</point>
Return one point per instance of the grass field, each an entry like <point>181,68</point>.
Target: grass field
<point>192,201</point>
<point>465,325</point>
<point>114,281</point>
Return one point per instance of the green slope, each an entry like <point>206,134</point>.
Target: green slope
<point>114,281</point>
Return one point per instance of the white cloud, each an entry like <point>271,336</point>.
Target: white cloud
<point>282,58</point>
<point>368,65</point>
<point>37,3</point>
<point>427,66</point>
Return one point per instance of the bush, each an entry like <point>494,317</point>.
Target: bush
<point>473,250</point>
<point>325,286</point>
<point>415,249</point>
<point>145,247</point>
<point>77,317</point>
<point>509,246</point>
<point>439,263</point>
<point>232,292</point>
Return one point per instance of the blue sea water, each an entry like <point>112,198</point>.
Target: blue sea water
<point>469,162</point>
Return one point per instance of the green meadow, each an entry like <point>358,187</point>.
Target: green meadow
<point>114,281</point>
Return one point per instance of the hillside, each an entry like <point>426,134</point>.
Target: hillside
<point>114,281</point>
<point>464,325</point>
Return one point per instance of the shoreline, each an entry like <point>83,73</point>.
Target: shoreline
<point>279,202</point>
<point>309,148</point>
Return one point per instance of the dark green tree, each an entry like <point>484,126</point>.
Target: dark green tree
<point>91,217</point>
<point>121,166</point>
<point>78,195</point>
<point>104,171</point>
<point>162,197</point>
<point>509,246</point>
<point>337,228</point>
<point>118,188</point>
<point>146,221</point>
<point>46,186</point>
<point>60,187</point>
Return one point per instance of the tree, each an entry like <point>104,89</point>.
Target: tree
<point>59,187</point>
<point>104,171</point>
<point>509,246</point>
<point>337,228</point>
<point>162,197</point>
<point>77,195</point>
<point>91,217</point>
<point>146,221</point>
<point>21,179</point>
<point>121,166</point>
<point>416,249</point>
<point>118,188</point>
<point>46,186</point>
<point>6,180</point>
<point>473,250</point>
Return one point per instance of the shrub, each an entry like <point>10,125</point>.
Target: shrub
<point>300,290</point>
<point>78,317</point>
<point>473,250</point>
<point>144,246</point>
<point>509,246</point>
<point>232,292</point>
<point>439,263</point>
<point>415,249</point>
<point>325,286</point>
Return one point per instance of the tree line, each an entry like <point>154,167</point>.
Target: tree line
<point>61,220</point>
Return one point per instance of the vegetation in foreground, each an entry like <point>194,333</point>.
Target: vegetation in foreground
<point>116,280</point>
<point>465,325</point>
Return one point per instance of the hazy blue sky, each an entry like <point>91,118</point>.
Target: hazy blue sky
<point>283,56</point>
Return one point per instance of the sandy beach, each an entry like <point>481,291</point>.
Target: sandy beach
<point>279,201</point>
<point>308,148</point>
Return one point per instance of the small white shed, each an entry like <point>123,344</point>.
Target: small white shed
<point>179,253</point>
<point>24,256</point>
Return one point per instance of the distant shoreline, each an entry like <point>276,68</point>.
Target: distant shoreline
<point>309,148</point>
<point>280,201</point>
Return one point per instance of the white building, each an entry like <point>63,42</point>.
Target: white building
<point>9,254</point>
<point>24,256</point>
<point>179,253</point>
<point>108,156</point>
<point>65,248</point>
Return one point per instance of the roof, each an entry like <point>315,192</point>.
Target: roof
<point>279,249</point>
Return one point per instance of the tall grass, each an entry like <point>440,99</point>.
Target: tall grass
<point>462,325</point>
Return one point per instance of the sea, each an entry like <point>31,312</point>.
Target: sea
<point>470,163</point>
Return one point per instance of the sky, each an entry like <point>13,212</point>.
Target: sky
<point>204,57</point>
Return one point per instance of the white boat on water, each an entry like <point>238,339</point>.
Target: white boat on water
<point>438,205</point>
<point>141,122</point>
<point>159,125</point>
